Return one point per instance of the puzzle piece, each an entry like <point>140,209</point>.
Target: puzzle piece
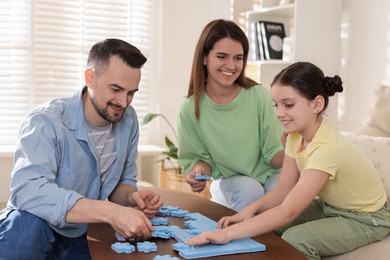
<point>166,210</point>
<point>179,213</point>
<point>165,257</point>
<point>146,247</point>
<point>159,221</point>
<point>123,247</point>
<point>208,250</point>
<point>161,234</point>
<point>202,177</point>
<point>182,235</point>
<point>121,238</point>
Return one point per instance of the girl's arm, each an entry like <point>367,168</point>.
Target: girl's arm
<point>296,201</point>
<point>289,176</point>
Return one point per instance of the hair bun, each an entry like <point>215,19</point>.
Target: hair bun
<point>333,84</point>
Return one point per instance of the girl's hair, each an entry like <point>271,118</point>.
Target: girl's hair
<point>213,32</point>
<point>309,81</point>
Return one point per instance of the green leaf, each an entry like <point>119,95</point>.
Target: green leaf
<point>149,117</point>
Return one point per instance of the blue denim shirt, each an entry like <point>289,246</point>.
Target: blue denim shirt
<point>56,162</point>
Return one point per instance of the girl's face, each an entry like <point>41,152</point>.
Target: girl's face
<point>296,113</point>
<point>224,62</point>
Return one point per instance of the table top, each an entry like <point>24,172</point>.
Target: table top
<point>102,236</point>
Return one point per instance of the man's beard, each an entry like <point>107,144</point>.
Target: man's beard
<point>103,112</point>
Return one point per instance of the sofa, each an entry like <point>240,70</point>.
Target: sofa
<point>374,140</point>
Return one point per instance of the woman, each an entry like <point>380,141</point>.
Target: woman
<point>329,198</point>
<point>227,128</point>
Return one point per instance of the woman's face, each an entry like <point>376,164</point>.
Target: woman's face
<point>224,62</point>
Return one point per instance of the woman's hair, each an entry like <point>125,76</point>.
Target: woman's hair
<point>309,81</point>
<point>213,32</point>
<point>101,52</point>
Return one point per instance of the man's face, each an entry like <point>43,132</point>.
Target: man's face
<point>112,91</point>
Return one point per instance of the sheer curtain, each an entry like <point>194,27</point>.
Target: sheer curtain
<point>44,46</point>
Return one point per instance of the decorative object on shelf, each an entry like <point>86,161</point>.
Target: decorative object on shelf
<point>272,35</point>
<point>172,176</point>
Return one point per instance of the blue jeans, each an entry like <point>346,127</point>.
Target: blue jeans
<point>239,191</point>
<point>26,236</point>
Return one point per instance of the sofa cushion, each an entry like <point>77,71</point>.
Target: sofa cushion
<point>378,150</point>
<point>375,251</point>
<point>378,123</point>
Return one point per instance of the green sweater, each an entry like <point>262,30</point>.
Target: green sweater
<point>236,138</point>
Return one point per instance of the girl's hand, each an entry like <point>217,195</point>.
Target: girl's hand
<point>216,237</point>
<point>243,215</point>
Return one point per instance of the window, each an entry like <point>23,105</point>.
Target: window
<point>44,46</point>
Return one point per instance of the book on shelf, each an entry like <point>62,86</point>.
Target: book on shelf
<point>259,42</point>
<point>272,35</point>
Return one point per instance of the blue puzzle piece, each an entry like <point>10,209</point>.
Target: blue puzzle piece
<point>208,250</point>
<point>123,247</point>
<point>161,234</point>
<point>146,246</point>
<point>179,213</point>
<point>166,210</point>
<point>165,257</point>
<point>202,177</point>
<point>159,221</point>
<point>121,238</point>
<point>182,235</point>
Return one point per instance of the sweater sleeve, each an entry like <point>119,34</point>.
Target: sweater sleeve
<point>191,148</point>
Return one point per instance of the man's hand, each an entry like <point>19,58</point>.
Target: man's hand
<point>147,201</point>
<point>130,222</point>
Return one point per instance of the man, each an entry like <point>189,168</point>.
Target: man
<point>74,153</point>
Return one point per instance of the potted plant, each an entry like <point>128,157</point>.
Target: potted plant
<point>171,154</point>
<point>172,176</point>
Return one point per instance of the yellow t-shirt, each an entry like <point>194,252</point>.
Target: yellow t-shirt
<point>353,183</point>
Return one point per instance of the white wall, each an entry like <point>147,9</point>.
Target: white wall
<point>366,58</point>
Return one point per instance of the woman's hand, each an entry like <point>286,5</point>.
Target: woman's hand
<point>200,168</point>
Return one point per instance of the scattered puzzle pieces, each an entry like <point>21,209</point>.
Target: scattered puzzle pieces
<point>123,247</point>
<point>196,223</point>
<point>146,247</point>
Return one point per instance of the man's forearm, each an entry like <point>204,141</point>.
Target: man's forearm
<point>122,195</point>
<point>90,211</point>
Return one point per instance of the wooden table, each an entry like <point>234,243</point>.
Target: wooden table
<point>101,236</point>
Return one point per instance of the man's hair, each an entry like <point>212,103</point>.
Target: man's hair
<point>101,52</point>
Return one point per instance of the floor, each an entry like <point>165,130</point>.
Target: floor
<point>2,205</point>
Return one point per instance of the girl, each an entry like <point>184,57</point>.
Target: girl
<point>329,198</point>
<point>227,128</point>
